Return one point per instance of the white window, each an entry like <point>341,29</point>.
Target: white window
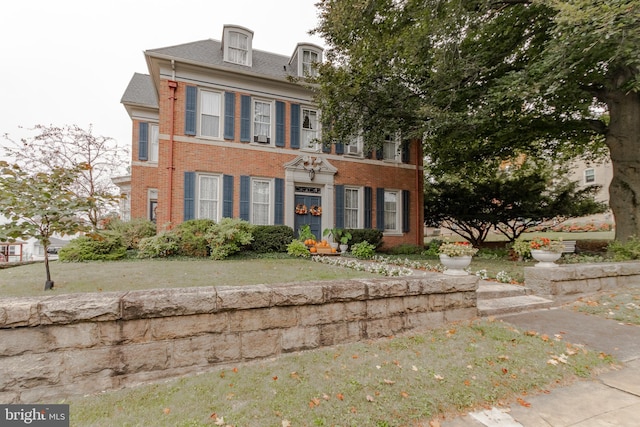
<point>260,201</point>
<point>238,48</point>
<point>391,210</point>
<point>210,111</point>
<point>589,176</point>
<point>152,204</point>
<point>309,61</point>
<point>125,206</point>
<point>310,129</point>
<point>209,197</point>
<point>391,148</point>
<point>262,122</point>
<point>354,147</point>
<point>352,207</point>
<point>154,137</point>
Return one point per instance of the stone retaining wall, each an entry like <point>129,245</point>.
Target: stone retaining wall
<point>570,279</point>
<point>64,345</point>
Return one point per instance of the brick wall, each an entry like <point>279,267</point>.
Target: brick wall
<point>52,347</point>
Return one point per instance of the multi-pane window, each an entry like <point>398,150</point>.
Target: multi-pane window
<point>390,148</point>
<point>391,204</point>
<point>589,176</point>
<point>309,59</point>
<point>351,203</point>
<point>238,48</point>
<point>208,196</point>
<point>210,107</point>
<point>261,122</point>
<point>260,201</point>
<point>309,129</point>
<point>154,136</point>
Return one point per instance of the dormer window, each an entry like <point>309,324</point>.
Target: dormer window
<point>236,42</point>
<point>305,59</point>
<point>309,61</point>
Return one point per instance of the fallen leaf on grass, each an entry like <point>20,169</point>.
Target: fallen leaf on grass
<point>523,402</point>
<point>434,423</point>
<point>286,423</point>
<point>166,411</point>
<point>370,398</point>
<point>438,377</point>
<point>386,381</point>
<point>404,394</point>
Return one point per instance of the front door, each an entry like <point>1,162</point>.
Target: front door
<point>314,221</point>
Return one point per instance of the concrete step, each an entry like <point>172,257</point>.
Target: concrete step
<point>513,304</point>
<point>491,290</point>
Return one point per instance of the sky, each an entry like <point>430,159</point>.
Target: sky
<point>68,62</point>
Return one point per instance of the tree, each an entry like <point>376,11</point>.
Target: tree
<point>40,205</point>
<point>98,158</point>
<point>484,80</point>
<point>507,199</point>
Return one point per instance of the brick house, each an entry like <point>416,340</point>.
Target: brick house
<point>221,130</point>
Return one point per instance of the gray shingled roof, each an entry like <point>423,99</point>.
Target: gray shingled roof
<point>209,52</point>
<point>140,91</point>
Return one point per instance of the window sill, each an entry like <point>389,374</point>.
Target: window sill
<point>392,233</point>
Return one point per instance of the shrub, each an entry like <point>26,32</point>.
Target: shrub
<point>434,248</point>
<point>191,237</point>
<point>369,235</point>
<point>106,246</point>
<point>228,237</point>
<point>298,248</point>
<point>132,231</point>
<point>271,238</point>
<point>163,245</point>
<point>625,251</point>
<point>363,250</point>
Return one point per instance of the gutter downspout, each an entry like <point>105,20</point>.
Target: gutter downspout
<point>419,224</point>
<point>173,86</point>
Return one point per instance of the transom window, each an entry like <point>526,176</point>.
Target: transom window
<point>210,110</point>
<point>260,201</point>
<point>208,197</point>
<point>310,129</point>
<point>262,122</point>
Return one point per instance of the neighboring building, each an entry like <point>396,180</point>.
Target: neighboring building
<point>590,173</point>
<point>223,130</point>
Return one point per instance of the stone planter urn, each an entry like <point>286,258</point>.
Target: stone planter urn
<point>343,248</point>
<point>455,265</point>
<point>546,259</point>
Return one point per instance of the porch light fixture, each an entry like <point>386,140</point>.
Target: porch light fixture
<point>312,165</point>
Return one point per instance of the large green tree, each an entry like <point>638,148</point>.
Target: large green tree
<point>481,80</point>
<point>40,205</point>
<point>472,202</point>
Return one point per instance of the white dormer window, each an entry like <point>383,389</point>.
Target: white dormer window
<point>309,61</point>
<point>305,59</point>
<point>237,42</point>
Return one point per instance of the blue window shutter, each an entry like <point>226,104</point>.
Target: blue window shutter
<point>406,153</point>
<point>379,152</point>
<point>380,208</point>
<point>367,207</point>
<point>339,148</point>
<point>278,217</point>
<point>229,115</point>
<point>189,195</point>
<point>227,196</point>
<point>326,147</point>
<point>339,206</point>
<point>190,110</point>
<point>405,211</point>
<point>245,118</point>
<point>280,124</point>
<point>295,126</point>
<point>245,197</point>
<point>143,141</point>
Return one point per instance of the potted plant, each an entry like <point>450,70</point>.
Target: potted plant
<point>340,236</point>
<point>543,249</point>
<point>305,234</point>
<point>456,256</point>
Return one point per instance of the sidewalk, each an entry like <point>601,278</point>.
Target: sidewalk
<point>612,399</point>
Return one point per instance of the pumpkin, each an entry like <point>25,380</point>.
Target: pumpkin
<point>313,249</point>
